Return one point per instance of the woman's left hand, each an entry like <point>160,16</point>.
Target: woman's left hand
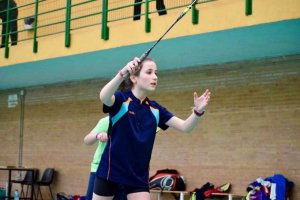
<point>201,102</point>
<point>102,136</point>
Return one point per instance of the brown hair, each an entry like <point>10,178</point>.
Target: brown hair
<point>127,84</point>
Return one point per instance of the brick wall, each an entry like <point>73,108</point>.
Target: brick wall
<point>251,127</point>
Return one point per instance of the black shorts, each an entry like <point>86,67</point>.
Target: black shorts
<point>104,187</point>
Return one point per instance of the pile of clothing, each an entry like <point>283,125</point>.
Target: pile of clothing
<point>275,187</point>
<point>64,196</point>
<point>207,191</point>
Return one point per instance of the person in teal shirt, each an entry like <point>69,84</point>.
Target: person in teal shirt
<point>99,133</point>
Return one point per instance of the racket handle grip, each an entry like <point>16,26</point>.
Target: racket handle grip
<point>143,57</point>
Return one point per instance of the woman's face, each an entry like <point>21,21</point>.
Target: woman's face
<point>147,79</point>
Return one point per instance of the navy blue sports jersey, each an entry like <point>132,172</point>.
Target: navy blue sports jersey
<point>132,131</point>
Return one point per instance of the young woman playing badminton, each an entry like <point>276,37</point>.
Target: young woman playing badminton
<point>133,122</point>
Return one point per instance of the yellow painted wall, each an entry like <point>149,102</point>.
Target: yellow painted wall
<point>214,16</point>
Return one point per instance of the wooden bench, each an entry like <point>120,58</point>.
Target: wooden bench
<point>229,195</point>
<point>184,193</point>
<point>159,192</point>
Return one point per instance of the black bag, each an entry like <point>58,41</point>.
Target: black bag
<point>167,179</point>
<point>63,196</point>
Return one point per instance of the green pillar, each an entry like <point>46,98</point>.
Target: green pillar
<point>68,24</point>
<point>195,14</point>
<point>7,29</point>
<point>147,19</point>
<point>248,10</point>
<point>35,43</point>
<point>105,29</point>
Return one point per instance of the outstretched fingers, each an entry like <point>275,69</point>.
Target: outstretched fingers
<point>207,95</point>
<point>201,102</point>
<point>195,96</point>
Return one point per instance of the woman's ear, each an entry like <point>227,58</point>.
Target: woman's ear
<point>133,79</point>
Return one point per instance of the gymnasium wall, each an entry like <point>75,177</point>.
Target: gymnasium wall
<point>214,16</point>
<point>251,127</point>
